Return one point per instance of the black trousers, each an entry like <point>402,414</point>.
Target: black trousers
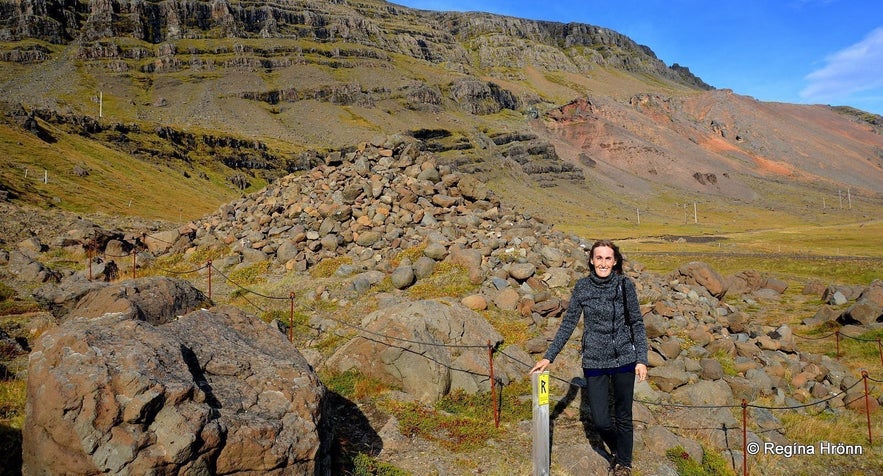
<point>617,430</point>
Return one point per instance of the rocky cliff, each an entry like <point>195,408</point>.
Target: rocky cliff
<point>375,25</point>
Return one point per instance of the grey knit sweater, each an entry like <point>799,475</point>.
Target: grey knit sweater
<point>606,341</point>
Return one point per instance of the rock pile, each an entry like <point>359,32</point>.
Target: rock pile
<point>372,204</point>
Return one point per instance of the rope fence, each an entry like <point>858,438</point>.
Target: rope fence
<point>838,335</point>
<point>492,350</point>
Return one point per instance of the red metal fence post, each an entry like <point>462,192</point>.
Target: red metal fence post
<point>837,334</point>
<point>744,437</point>
<point>89,257</point>
<point>867,406</point>
<point>291,318</point>
<point>490,356</point>
<point>880,348</point>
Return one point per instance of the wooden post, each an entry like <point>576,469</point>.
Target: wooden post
<point>638,211</point>
<point>695,214</point>
<point>541,453</point>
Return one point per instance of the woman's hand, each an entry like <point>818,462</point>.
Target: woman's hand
<point>641,371</point>
<point>540,366</point>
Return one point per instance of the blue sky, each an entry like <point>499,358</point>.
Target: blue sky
<point>794,51</point>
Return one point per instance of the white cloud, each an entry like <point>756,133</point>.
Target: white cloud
<point>854,69</point>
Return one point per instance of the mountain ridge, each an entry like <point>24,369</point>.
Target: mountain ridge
<point>156,23</point>
<point>303,78</point>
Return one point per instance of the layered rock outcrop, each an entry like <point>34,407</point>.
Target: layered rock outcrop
<point>441,38</point>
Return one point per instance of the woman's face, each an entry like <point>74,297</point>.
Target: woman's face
<point>603,261</point>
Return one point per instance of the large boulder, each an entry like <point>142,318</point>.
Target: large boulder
<point>874,293</point>
<point>213,392</point>
<point>745,282</point>
<point>868,308</point>
<point>26,268</point>
<point>427,348</point>
<point>699,273</point>
<point>154,299</point>
<point>60,298</point>
<point>863,312</point>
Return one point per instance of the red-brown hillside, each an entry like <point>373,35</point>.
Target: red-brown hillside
<point>717,143</point>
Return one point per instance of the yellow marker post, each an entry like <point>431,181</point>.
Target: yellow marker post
<point>543,388</point>
<point>541,459</point>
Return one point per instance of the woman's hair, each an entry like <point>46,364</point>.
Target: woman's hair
<point>617,268</point>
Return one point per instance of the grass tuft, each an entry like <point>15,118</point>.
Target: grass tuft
<point>712,463</point>
<point>412,254</point>
<point>454,432</point>
<point>11,304</point>
<point>13,394</point>
<point>728,364</point>
<point>364,465</point>
<point>353,385</point>
<point>249,275</point>
<point>327,267</point>
<point>513,328</point>
<point>448,280</point>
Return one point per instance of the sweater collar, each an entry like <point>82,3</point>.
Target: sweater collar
<point>611,280</point>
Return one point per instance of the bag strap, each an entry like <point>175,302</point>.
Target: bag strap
<point>625,307</point>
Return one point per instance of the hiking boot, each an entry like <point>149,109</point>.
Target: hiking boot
<point>620,470</point>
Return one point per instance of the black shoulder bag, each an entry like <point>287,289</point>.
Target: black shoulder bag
<point>625,308</point>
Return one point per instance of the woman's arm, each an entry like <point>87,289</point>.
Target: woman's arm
<point>568,324</point>
<point>637,323</point>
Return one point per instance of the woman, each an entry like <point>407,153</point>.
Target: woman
<point>614,348</point>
